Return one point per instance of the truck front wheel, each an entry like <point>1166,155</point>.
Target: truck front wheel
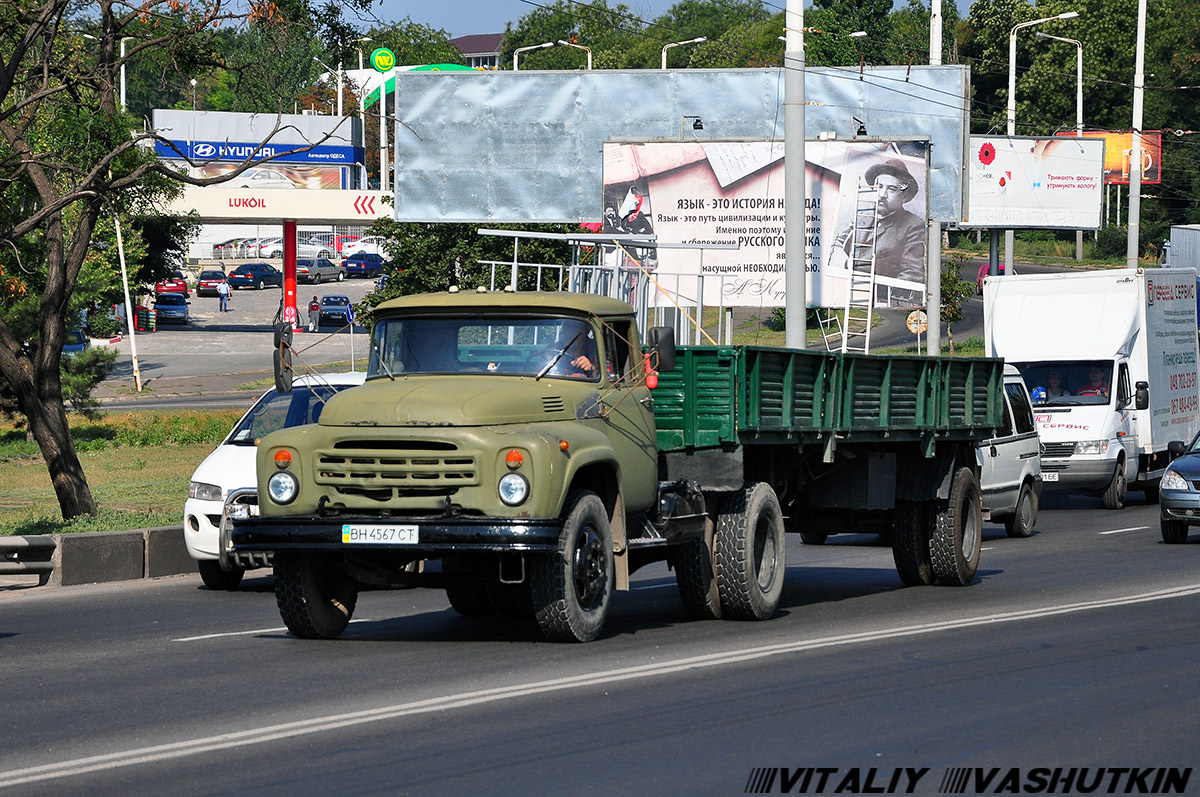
<point>1114,494</point>
<point>750,553</point>
<point>956,533</point>
<point>910,544</point>
<point>315,600</point>
<point>572,587</point>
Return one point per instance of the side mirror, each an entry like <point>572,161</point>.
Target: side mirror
<point>1176,448</point>
<point>281,358</point>
<point>662,346</point>
<point>1141,396</point>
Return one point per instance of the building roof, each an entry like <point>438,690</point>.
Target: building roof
<point>479,43</point>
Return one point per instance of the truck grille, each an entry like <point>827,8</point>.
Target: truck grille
<point>382,469</point>
<point>1058,449</point>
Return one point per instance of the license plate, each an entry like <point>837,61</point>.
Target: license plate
<point>1049,476</point>
<point>379,535</point>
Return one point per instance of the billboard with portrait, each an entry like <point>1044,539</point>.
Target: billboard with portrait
<point>732,192</point>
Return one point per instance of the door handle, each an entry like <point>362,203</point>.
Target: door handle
<point>648,402</point>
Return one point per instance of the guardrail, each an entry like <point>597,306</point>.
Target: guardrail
<point>97,556</point>
<point>28,556</point>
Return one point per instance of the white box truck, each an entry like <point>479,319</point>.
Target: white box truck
<point>1110,358</point>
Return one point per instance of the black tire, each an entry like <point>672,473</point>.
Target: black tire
<point>1114,494</point>
<point>468,599</point>
<point>341,276</point>
<point>749,552</point>
<point>258,285</point>
<point>1021,522</point>
<point>316,279</point>
<point>1151,493</point>
<point>315,600</point>
<point>1174,532</point>
<point>216,577</point>
<point>573,586</point>
<point>910,544</point>
<point>813,538</point>
<point>696,577</point>
<point>956,532</point>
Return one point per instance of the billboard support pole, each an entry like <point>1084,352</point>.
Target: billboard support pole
<point>933,300</point>
<point>795,173</point>
<point>1135,156</point>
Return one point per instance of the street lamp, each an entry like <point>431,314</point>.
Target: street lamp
<point>123,40</point>
<point>1078,109</point>
<point>1012,103</point>
<point>520,50</point>
<point>339,82</point>
<point>193,95</point>
<point>666,47</point>
<point>362,91</point>
<point>566,43</point>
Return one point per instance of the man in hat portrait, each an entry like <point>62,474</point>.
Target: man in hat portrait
<point>898,234</point>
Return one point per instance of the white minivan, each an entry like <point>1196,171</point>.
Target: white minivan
<point>1010,464</point>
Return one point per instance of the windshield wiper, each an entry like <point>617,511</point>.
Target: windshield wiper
<point>558,356</point>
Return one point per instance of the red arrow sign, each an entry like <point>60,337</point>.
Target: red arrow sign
<point>364,204</point>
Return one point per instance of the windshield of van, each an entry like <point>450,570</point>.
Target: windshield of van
<point>1068,383</point>
<point>504,345</point>
<point>276,411</point>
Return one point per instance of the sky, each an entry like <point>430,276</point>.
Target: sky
<point>464,17</point>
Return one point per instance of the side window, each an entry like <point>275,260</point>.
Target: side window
<point>1124,389</point>
<point>617,350</point>
<point>1022,410</point>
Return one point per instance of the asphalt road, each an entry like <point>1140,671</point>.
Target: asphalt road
<point>1076,647</point>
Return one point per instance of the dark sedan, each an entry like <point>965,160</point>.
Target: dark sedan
<point>255,275</point>
<point>1179,491</point>
<point>364,264</point>
<point>333,309</point>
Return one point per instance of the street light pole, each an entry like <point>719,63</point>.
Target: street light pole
<point>1012,105</point>
<point>666,47</point>
<point>566,43</point>
<point>794,175</point>
<point>339,82</point>
<point>1135,155</point>
<point>1078,110</point>
<point>517,52</point>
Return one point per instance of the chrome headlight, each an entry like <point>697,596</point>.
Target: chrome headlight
<point>282,487</point>
<point>1173,481</point>
<point>204,492</point>
<point>514,489</point>
<point>1091,447</point>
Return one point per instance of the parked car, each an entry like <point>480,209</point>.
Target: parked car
<point>232,466</point>
<point>171,307</point>
<point>208,282</point>
<point>371,243</point>
<point>176,283</point>
<point>261,178</point>
<point>1179,492</point>
<point>76,341</point>
<point>364,264</point>
<point>227,250</point>
<point>334,241</point>
<point>255,275</point>
<point>333,309</point>
<point>318,270</point>
<point>304,248</point>
<point>983,272</point>
<point>1010,472</point>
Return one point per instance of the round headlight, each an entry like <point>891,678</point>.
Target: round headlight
<point>282,487</point>
<point>513,489</point>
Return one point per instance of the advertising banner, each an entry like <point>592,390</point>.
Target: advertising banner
<point>1117,148</point>
<point>1018,182</point>
<point>732,192</point>
<point>1171,315</point>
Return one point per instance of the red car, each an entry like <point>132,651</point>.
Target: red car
<point>983,272</point>
<point>176,283</point>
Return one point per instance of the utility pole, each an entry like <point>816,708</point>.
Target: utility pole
<point>794,175</point>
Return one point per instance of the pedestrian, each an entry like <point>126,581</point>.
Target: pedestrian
<point>223,296</point>
<point>314,315</point>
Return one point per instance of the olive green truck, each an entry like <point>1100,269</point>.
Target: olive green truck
<point>531,445</point>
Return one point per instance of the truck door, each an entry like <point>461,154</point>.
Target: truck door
<point>1127,427</point>
<point>630,414</point>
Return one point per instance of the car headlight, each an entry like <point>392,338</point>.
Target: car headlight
<point>1173,481</point>
<point>514,489</point>
<point>1091,447</point>
<point>282,487</point>
<point>204,492</point>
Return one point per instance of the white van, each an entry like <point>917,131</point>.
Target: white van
<point>1010,464</point>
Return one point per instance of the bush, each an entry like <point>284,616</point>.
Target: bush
<point>1112,241</point>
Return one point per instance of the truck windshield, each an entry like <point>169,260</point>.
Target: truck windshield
<point>1068,383</point>
<point>504,345</point>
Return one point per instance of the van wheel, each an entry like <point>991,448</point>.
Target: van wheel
<point>1020,523</point>
<point>572,586</point>
<point>1174,532</point>
<point>696,576</point>
<point>910,544</point>
<point>315,600</point>
<point>956,532</point>
<point>216,577</point>
<point>750,553</point>
<point>1114,494</point>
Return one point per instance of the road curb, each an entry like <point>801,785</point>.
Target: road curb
<point>101,556</point>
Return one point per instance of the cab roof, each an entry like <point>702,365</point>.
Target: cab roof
<point>543,301</point>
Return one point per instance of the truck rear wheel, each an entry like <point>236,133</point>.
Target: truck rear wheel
<point>910,544</point>
<point>1114,494</point>
<point>216,577</point>
<point>696,577</point>
<point>750,553</point>
<point>315,600</point>
<point>1174,532</point>
<point>957,532</point>
<point>1020,523</point>
<point>572,587</point>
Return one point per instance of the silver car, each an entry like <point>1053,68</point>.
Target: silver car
<point>317,270</point>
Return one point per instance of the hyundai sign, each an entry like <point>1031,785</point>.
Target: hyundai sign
<point>240,151</point>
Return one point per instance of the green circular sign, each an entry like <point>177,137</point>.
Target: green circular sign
<point>383,60</point>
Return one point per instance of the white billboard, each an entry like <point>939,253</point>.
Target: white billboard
<point>1019,182</point>
<point>732,192</point>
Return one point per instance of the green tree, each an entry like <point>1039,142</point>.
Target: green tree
<point>610,32</point>
<point>690,19</point>
<point>955,293</point>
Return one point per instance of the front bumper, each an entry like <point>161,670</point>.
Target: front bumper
<point>1181,505</point>
<point>1077,473</point>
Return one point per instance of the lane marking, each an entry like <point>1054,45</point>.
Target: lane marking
<point>332,722</point>
<point>1122,531</point>
<point>247,633</point>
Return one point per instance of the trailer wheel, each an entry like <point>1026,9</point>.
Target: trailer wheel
<point>468,599</point>
<point>572,587</point>
<point>910,544</point>
<point>957,532</point>
<point>216,577</point>
<point>696,577</point>
<point>1114,494</point>
<point>315,600</point>
<point>750,553</point>
<point>1021,522</point>
<point>1174,532</point>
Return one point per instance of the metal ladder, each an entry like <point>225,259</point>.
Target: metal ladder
<point>852,330</point>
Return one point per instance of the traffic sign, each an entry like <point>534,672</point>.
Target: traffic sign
<point>917,322</point>
<point>383,60</point>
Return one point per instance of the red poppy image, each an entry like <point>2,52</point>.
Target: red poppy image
<point>987,154</point>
